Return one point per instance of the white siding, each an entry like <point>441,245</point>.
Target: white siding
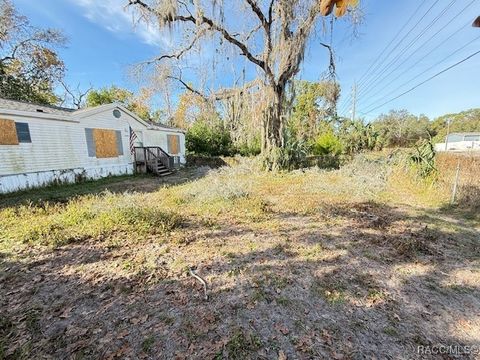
<point>52,148</point>
<point>106,120</point>
<point>58,145</point>
<point>159,138</point>
<point>11,183</point>
<point>58,151</point>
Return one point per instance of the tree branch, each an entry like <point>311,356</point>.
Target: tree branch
<point>266,24</point>
<point>214,26</point>
<point>217,96</point>
<point>270,12</point>
<point>252,32</point>
<point>178,55</point>
<point>77,98</point>
<point>331,66</point>
<point>188,87</point>
<point>300,38</point>
<point>256,9</point>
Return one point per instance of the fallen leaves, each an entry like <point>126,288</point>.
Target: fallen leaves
<point>282,328</point>
<point>104,300</point>
<point>138,320</point>
<point>66,313</point>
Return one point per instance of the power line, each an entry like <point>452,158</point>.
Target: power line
<point>405,37</point>
<point>393,40</point>
<point>424,82</point>
<point>375,80</point>
<point>354,108</point>
<point>419,60</point>
<point>420,47</point>
<point>425,71</point>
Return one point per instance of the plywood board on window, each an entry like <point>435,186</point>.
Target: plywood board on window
<point>105,143</point>
<point>173,144</point>
<point>8,132</point>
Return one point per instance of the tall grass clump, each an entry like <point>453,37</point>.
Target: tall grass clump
<point>423,160</point>
<point>224,184</point>
<point>93,216</point>
<point>413,179</point>
<point>468,165</point>
<point>227,193</point>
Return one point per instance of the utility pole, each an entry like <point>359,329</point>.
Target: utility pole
<point>354,100</point>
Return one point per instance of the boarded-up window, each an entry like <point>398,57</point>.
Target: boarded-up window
<point>173,144</point>
<point>105,143</point>
<point>23,132</point>
<point>8,132</point>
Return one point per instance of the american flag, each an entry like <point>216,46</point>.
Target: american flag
<point>133,137</point>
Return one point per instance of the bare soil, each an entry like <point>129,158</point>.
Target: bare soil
<point>351,281</point>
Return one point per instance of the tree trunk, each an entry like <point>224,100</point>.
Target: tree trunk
<point>273,125</point>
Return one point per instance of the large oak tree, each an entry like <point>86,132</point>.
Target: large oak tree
<point>275,42</point>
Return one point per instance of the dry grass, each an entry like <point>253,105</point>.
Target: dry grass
<point>310,264</point>
<point>469,177</point>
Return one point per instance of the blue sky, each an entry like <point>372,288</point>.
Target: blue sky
<point>104,43</point>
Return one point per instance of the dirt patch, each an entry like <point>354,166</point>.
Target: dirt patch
<point>302,293</point>
<point>336,280</point>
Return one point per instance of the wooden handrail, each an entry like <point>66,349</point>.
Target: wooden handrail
<point>156,153</point>
<point>158,148</point>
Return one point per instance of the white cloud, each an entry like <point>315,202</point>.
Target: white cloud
<point>115,17</point>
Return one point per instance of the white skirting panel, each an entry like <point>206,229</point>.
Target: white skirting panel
<point>10,183</point>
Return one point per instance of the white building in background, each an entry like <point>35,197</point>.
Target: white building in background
<point>460,142</point>
<point>42,145</point>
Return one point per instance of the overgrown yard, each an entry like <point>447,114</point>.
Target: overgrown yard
<point>362,262</point>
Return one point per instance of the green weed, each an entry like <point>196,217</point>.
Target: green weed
<point>147,344</point>
<point>241,344</point>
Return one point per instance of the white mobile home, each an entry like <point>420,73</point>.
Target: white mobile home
<point>460,142</point>
<point>41,145</point>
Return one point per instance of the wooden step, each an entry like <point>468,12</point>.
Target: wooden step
<point>158,168</point>
<point>163,171</point>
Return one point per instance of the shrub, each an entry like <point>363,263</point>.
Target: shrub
<point>327,144</point>
<point>251,148</point>
<point>207,139</point>
<point>424,159</point>
<point>357,137</point>
<point>292,156</point>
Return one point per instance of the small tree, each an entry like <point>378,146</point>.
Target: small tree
<point>399,128</point>
<point>208,139</point>
<point>30,67</point>
<point>327,143</point>
<point>356,136</point>
<point>135,103</point>
<point>274,43</point>
<point>315,103</point>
